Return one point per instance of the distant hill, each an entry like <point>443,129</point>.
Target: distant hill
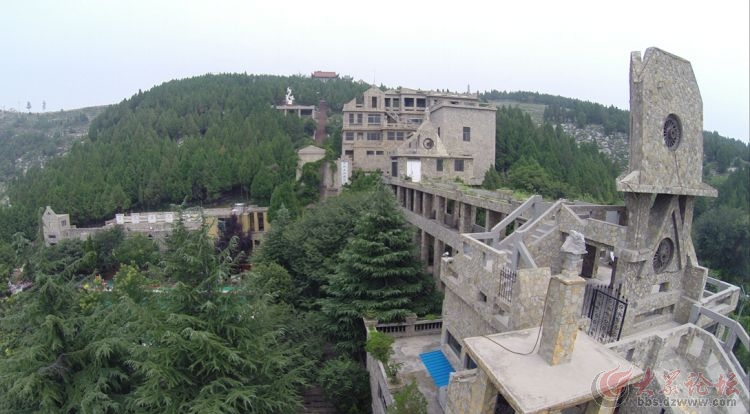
<point>31,139</point>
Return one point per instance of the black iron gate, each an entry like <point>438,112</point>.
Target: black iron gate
<point>605,307</point>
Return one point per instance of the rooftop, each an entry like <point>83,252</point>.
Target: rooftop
<point>406,351</point>
<point>532,385</point>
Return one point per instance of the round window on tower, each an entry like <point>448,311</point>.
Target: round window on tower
<point>672,132</point>
<point>428,143</point>
<point>663,255</point>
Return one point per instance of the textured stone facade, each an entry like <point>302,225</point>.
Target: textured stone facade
<point>406,132</point>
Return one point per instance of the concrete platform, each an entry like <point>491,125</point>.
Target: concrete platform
<point>531,385</point>
<point>406,351</point>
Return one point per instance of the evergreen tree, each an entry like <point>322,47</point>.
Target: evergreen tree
<point>378,274</point>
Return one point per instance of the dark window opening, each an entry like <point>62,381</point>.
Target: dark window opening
<point>439,165</point>
<point>409,102</point>
<point>458,165</point>
<point>470,364</point>
<point>453,343</point>
<point>421,103</point>
<point>467,134</point>
<point>374,102</point>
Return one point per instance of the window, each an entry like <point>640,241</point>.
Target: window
<point>374,136</point>
<point>453,343</point>
<point>349,153</point>
<point>374,102</point>
<point>360,101</point>
<point>359,119</point>
<point>373,119</point>
<point>391,135</point>
<point>396,103</point>
<point>470,364</point>
<point>421,103</point>
<point>349,136</point>
<point>415,121</point>
<point>409,102</point>
<point>439,165</point>
<point>482,297</point>
<point>387,102</point>
<point>399,135</point>
<point>351,118</point>
<point>467,134</point>
<point>64,223</point>
<point>438,131</point>
<point>370,153</point>
<point>458,165</point>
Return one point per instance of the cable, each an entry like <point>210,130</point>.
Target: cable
<point>538,334</point>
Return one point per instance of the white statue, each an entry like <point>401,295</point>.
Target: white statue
<point>289,97</point>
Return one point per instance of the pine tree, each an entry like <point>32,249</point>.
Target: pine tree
<point>378,274</point>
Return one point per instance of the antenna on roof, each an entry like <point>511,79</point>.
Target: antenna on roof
<point>468,88</point>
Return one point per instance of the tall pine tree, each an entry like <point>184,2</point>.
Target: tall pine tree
<point>377,275</point>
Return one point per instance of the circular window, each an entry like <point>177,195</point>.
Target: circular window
<point>428,143</point>
<point>663,255</point>
<point>672,132</point>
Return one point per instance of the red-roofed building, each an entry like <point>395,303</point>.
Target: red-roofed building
<point>324,76</point>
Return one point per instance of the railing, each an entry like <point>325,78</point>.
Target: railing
<point>733,331</point>
<point>412,327</point>
<point>507,278</point>
<point>718,293</point>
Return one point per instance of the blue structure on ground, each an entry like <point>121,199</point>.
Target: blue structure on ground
<point>438,367</point>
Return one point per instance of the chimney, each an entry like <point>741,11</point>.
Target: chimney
<point>561,312</point>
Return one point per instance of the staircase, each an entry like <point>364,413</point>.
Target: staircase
<point>314,402</point>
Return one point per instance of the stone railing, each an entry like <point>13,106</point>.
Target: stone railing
<point>728,332</point>
<point>412,327</point>
<point>720,296</point>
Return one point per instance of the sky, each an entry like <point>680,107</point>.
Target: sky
<point>78,53</point>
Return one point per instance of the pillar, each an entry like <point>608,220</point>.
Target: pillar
<point>560,324</point>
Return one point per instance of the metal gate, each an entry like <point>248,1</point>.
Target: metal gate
<point>605,307</point>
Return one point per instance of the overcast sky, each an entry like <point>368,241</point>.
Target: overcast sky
<point>77,53</point>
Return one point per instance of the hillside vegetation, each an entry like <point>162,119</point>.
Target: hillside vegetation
<point>30,140</point>
<point>193,140</point>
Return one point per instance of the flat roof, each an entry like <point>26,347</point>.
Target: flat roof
<point>531,385</point>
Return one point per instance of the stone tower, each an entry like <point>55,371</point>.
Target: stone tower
<point>657,265</point>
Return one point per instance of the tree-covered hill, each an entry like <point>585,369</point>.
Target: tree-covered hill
<point>30,140</point>
<point>194,140</point>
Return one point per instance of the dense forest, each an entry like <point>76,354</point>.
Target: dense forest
<point>184,330</point>
<point>195,140</point>
<point>545,160</point>
<point>559,110</point>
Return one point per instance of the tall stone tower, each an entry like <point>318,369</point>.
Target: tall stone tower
<point>657,265</point>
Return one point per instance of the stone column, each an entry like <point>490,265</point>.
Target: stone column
<point>560,324</point>
<point>409,197</point>
<point>426,204</point>
<point>440,210</point>
<point>423,247</point>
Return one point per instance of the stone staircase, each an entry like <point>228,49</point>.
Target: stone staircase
<point>314,402</point>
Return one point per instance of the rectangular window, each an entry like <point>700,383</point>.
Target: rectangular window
<point>378,152</point>
<point>453,343</point>
<point>374,102</point>
<point>391,135</point>
<point>370,152</point>
<point>439,165</point>
<point>399,135</point>
<point>387,102</point>
<point>351,119</point>
<point>409,102</point>
<point>374,136</point>
<point>467,134</point>
<point>415,121</point>
<point>373,119</point>
<point>64,223</point>
<point>470,364</point>
<point>360,101</point>
<point>349,136</point>
<point>438,131</point>
<point>421,103</point>
<point>349,153</point>
<point>482,297</point>
<point>458,165</point>
<point>396,103</point>
<point>359,119</point>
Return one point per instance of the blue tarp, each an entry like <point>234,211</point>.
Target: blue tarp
<point>438,367</point>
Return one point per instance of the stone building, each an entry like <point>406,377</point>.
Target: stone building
<point>573,307</point>
<point>158,225</point>
<point>415,134</point>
